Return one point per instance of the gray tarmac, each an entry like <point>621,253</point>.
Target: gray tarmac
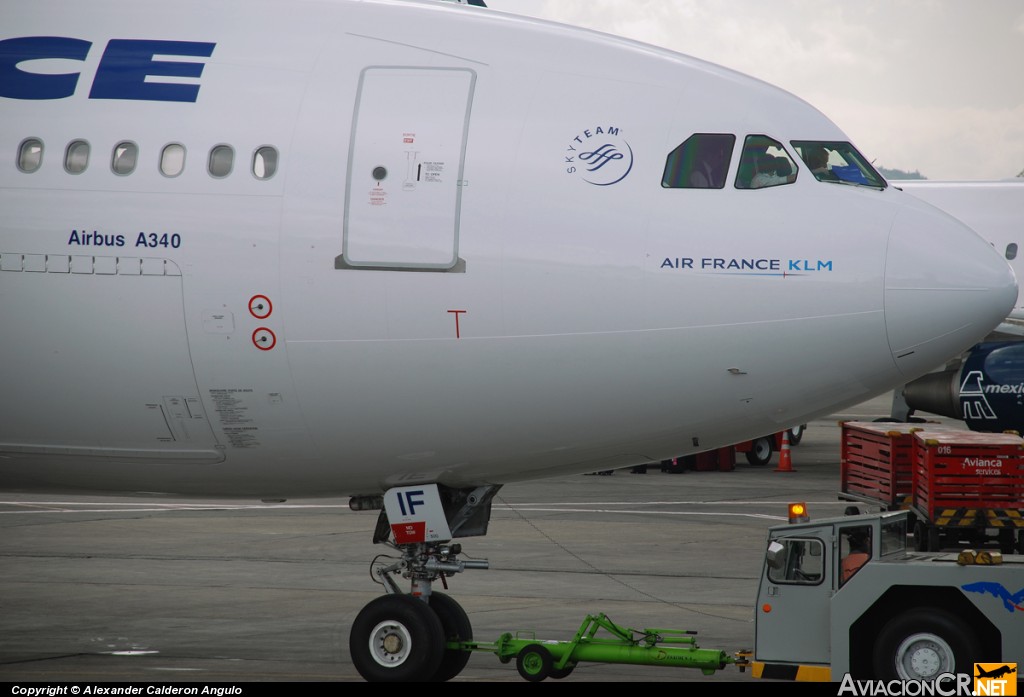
<point>150,590</point>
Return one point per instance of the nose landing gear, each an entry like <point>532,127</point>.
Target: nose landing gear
<point>419,636</point>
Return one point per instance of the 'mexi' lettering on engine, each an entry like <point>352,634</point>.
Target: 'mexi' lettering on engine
<point>1005,389</point>
<point>128,68</point>
<point>749,266</point>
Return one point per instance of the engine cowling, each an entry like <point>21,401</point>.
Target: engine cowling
<point>987,392</point>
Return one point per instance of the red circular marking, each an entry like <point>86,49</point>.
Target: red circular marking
<point>261,314</point>
<point>264,344</point>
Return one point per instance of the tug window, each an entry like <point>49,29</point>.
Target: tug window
<point>854,551</point>
<point>839,163</point>
<point>76,157</point>
<point>764,163</point>
<point>893,539</point>
<point>795,561</point>
<point>30,155</point>
<point>700,162</point>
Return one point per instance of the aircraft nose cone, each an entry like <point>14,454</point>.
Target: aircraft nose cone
<point>945,289</point>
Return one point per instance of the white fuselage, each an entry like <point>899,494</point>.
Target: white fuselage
<point>993,209</point>
<point>430,287</point>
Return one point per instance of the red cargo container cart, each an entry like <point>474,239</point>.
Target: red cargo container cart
<point>877,461</point>
<point>967,484</point>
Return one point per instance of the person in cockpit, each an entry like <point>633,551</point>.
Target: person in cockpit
<point>817,161</point>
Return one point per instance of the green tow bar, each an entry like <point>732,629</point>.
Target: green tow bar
<point>537,660</point>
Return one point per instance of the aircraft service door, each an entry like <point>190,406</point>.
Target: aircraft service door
<point>406,158</point>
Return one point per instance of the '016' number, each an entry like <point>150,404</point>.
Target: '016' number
<point>154,240</point>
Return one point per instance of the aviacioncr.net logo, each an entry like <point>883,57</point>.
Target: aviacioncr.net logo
<point>944,685</point>
<point>995,679</point>
<point>988,679</point>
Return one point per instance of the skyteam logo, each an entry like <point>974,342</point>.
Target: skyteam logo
<point>599,156</point>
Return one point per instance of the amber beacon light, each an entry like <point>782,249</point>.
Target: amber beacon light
<point>798,513</point>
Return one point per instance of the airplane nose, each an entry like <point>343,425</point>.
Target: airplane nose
<point>945,288</point>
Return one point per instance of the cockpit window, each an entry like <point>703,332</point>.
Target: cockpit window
<point>764,163</point>
<point>700,162</point>
<point>839,163</point>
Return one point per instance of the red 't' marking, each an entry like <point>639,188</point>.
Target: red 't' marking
<point>457,313</point>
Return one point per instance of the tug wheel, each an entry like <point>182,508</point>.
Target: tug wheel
<point>924,643</point>
<point>534,663</point>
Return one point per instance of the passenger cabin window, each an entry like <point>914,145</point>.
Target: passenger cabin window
<point>172,160</point>
<point>839,163</point>
<point>264,162</point>
<point>126,155</point>
<point>764,163</point>
<point>30,155</point>
<point>222,160</point>
<point>1011,251</point>
<point>700,162</point>
<point>76,157</point>
<point>125,158</point>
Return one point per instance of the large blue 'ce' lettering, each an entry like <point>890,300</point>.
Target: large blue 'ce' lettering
<point>18,84</point>
<point>122,72</point>
<point>127,62</point>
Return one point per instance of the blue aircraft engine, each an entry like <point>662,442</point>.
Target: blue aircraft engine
<point>987,392</point>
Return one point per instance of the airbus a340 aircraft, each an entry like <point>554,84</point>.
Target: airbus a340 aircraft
<point>418,250</point>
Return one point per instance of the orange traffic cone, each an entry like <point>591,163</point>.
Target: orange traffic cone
<point>785,457</point>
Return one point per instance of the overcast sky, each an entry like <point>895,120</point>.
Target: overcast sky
<point>929,85</point>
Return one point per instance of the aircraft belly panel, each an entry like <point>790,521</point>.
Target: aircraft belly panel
<point>104,365</point>
<point>507,408</point>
